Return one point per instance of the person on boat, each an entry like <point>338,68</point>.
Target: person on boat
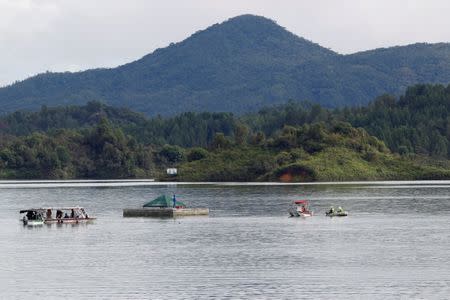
<point>340,210</point>
<point>49,213</point>
<point>66,216</point>
<point>331,211</point>
<point>59,214</point>
<point>72,214</point>
<point>174,199</point>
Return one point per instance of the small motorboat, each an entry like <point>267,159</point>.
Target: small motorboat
<point>338,213</point>
<point>299,208</point>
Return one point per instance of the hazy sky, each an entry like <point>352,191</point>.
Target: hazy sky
<point>72,35</point>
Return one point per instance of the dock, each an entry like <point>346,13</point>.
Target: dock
<point>164,212</point>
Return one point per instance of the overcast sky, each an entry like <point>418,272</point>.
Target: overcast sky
<point>72,35</point>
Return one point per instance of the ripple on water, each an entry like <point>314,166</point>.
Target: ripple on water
<point>393,245</point>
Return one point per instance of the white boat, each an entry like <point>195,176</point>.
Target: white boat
<point>49,215</point>
<point>299,208</point>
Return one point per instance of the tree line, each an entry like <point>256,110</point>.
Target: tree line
<point>100,141</point>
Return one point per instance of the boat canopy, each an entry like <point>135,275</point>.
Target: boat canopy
<point>164,201</point>
<point>52,208</point>
<point>27,210</point>
<point>301,201</point>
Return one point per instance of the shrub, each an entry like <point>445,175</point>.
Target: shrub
<point>283,158</point>
<point>172,153</point>
<point>197,154</point>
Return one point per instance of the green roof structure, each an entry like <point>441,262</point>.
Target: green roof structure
<point>164,201</point>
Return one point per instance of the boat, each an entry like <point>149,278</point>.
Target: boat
<point>49,215</point>
<point>338,213</point>
<point>299,208</point>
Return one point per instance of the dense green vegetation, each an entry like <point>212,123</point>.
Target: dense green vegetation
<point>331,163</point>
<point>186,129</point>
<point>405,138</point>
<point>98,152</point>
<point>241,65</point>
<point>418,122</point>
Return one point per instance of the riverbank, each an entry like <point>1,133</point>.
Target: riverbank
<point>249,163</point>
<point>331,164</point>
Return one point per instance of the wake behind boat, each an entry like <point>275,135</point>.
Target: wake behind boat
<point>49,215</point>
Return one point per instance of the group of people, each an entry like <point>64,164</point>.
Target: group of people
<point>59,214</point>
<point>32,215</point>
<point>332,211</point>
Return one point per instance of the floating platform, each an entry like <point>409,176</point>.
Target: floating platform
<point>156,212</point>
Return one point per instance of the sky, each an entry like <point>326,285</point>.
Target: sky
<point>72,35</point>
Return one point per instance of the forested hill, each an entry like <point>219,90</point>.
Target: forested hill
<point>240,65</point>
<point>391,138</point>
<point>417,122</point>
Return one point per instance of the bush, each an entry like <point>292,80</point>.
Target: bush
<point>197,154</point>
<point>371,156</point>
<point>171,154</point>
<point>343,128</point>
<point>403,150</point>
<point>283,158</point>
<point>220,141</point>
<point>299,154</point>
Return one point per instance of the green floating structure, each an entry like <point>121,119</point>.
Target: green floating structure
<point>162,207</point>
<point>164,201</point>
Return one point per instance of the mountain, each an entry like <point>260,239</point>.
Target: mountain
<point>240,65</point>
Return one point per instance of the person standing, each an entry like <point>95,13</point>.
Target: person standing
<point>174,199</point>
<point>49,214</point>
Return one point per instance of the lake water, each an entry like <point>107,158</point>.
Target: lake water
<point>395,243</point>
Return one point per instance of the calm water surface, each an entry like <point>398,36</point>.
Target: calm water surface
<point>395,243</point>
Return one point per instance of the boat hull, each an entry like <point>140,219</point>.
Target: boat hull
<point>296,213</point>
<point>342,214</point>
<point>69,220</point>
<point>33,222</point>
